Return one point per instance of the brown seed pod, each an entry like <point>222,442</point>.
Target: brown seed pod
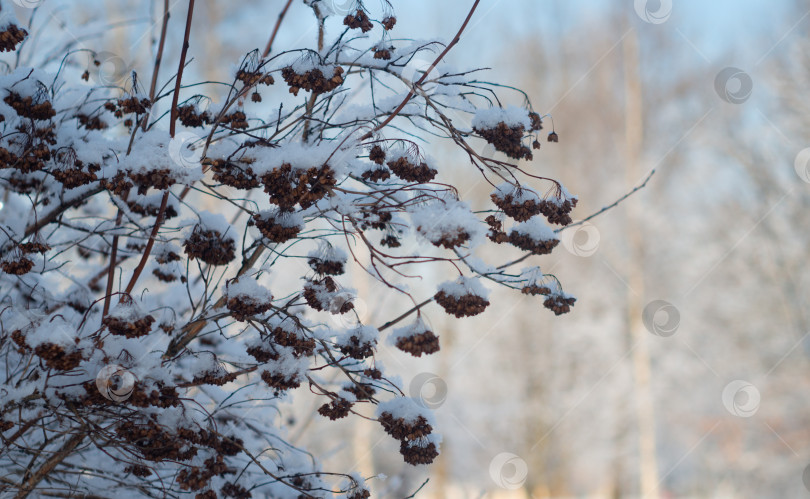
<point>191,117</point>
<point>246,298</point>
<point>411,172</point>
<point>312,80</point>
<point>27,108</point>
<point>126,319</point>
<point>507,140</point>
<point>464,297</point>
<point>416,339</point>
<point>401,429</point>
<point>518,203</point>
<point>418,452</point>
<point>278,226</point>
<point>279,381</point>
<point>328,260</point>
<point>359,20</point>
<point>10,37</point>
<point>336,409</point>
<point>377,154</point>
<point>287,186</point>
<point>210,246</point>
<point>358,343</point>
<point>233,174</point>
<point>288,335</point>
<point>389,22</point>
<point>559,303</point>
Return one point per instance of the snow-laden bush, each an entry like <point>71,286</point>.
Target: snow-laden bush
<point>143,341</point>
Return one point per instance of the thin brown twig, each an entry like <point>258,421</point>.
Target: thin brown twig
<point>172,127</point>
<point>269,45</point>
<point>49,465</point>
<point>412,92</point>
<point>158,59</point>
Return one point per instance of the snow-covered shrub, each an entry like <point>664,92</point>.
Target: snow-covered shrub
<point>124,382</point>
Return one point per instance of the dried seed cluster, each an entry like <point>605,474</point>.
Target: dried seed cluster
<point>336,409</point>
<point>320,295</point>
<point>518,210</point>
<point>10,37</point>
<point>128,327</point>
<point>359,20</point>
<point>27,108</point>
<point>230,173</point>
<point>191,117</point>
<point>559,303</point>
<point>417,344</point>
<point>414,446</point>
<point>57,358</point>
<point>461,306</point>
<point>410,172</point>
<point>287,186</point>
<point>210,246</point>
<point>535,246</point>
<point>301,345</point>
<point>272,227</point>
<point>312,80</point>
<point>557,210</point>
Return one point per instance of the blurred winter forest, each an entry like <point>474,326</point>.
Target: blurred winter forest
<point>683,370</point>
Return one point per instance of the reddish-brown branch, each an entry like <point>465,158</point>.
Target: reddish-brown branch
<point>49,465</point>
<point>158,57</point>
<point>269,45</point>
<point>113,260</point>
<point>172,127</point>
<point>180,67</point>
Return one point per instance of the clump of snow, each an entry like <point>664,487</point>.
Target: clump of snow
<point>127,311</point>
<point>213,222</point>
<point>56,331</point>
<point>329,253</point>
<point>512,116</point>
<point>464,286</point>
<point>298,155</point>
<point>364,334</point>
<point>407,409</point>
<point>520,194</point>
<point>288,365</point>
<point>536,229</point>
<point>151,151</point>
<point>438,219</point>
<point>532,275</point>
<point>416,327</point>
<point>249,289</point>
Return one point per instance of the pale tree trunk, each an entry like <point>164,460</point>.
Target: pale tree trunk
<point>362,440</point>
<point>634,136</point>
